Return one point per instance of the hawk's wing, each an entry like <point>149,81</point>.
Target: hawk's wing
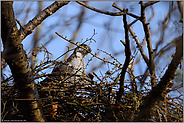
<point>66,76</point>
<point>59,74</point>
<point>70,70</point>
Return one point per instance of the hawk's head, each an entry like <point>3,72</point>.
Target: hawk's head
<point>84,49</point>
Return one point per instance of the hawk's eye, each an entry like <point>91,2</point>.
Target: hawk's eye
<point>85,49</point>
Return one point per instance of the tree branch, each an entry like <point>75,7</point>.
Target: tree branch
<point>127,60</point>
<point>106,61</point>
<point>128,13</point>
<point>156,94</point>
<point>80,22</point>
<point>17,60</point>
<point>41,17</point>
<point>150,50</point>
<point>101,11</point>
<point>180,7</point>
<point>139,46</point>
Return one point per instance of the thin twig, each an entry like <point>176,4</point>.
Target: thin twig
<point>97,76</point>
<point>133,22</point>
<point>86,50</point>
<point>139,46</point>
<point>123,10</point>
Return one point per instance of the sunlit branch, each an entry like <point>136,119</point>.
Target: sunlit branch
<point>122,10</point>
<point>41,17</point>
<point>156,94</point>
<point>127,60</point>
<point>149,45</point>
<point>139,46</point>
<point>101,11</point>
<point>86,50</point>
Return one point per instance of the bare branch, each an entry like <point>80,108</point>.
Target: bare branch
<point>81,19</point>
<point>122,10</point>
<point>101,11</point>
<point>41,17</point>
<point>127,60</point>
<point>16,58</point>
<point>150,50</point>
<point>180,6</point>
<point>106,61</point>
<point>139,46</point>
<point>36,38</point>
<point>156,93</point>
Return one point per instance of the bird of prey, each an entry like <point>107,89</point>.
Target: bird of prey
<point>70,71</point>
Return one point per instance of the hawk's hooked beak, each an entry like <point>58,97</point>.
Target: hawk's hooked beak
<point>85,49</point>
<point>89,50</point>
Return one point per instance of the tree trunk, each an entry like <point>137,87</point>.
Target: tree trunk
<point>16,58</point>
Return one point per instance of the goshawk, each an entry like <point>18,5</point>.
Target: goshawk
<point>68,73</point>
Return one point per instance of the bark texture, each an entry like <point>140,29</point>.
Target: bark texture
<point>156,94</point>
<point>16,58</point>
